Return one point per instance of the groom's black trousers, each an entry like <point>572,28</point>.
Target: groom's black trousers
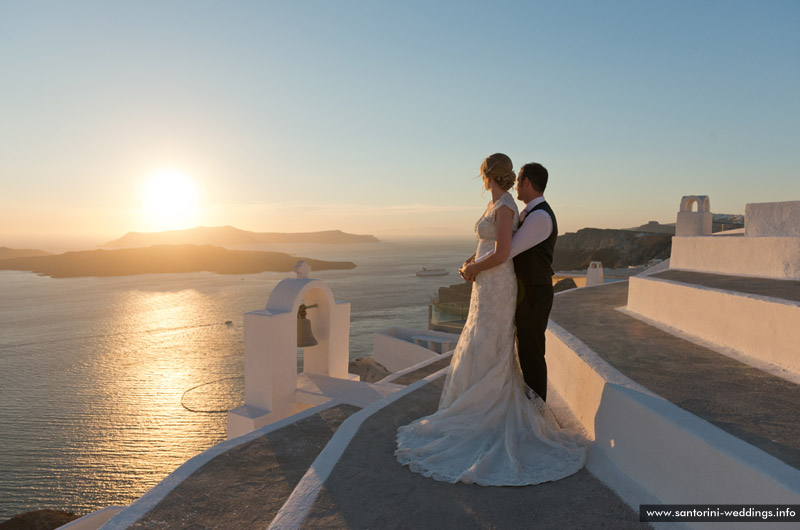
<point>533,310</point>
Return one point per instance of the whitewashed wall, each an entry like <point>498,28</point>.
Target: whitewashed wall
<point>764,257</point>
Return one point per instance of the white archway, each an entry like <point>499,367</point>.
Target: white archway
<point>270,337</point>
<point>693,222</point>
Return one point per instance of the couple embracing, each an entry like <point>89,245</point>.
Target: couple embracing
<point>493,427</point>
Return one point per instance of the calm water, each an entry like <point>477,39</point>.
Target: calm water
<point>94,371</point>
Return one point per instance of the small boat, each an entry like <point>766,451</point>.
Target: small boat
<point>431,272</point>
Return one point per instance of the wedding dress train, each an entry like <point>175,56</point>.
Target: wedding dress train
<point>487,431</point>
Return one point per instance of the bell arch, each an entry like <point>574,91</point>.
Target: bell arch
<point>694,216</point>
<point>695,203</point>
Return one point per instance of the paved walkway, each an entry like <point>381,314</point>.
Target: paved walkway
<point>369,489</point>
<point>423,372</point>
<point>244,488</point>
<point>752,405</point>
<point>784,289</point>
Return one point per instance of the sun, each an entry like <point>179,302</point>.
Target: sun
<point>171,200</point>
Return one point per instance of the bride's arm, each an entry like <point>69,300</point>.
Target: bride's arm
<point>504,219</point>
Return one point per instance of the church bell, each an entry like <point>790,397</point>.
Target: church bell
<point>304,336</point>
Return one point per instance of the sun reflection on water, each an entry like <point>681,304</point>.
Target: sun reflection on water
<point>167,342</point>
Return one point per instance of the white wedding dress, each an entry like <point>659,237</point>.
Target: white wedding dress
<point>487,431</point>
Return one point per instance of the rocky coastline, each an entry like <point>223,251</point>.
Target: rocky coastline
<point>39,520</point>
<point>163,259</point>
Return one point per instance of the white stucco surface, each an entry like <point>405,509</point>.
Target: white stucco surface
<point>695,217</point>
<point>749,360</point>
<point>764,257</point>
<point>395,349</point>
<point>316,389</point>
<point>651,451</point>
<point>655,269</point>
<point>270,351</point>
<point>594,274</point>
<point>94,520</point>
<point>766,329</point>
<point>772,219</point>
<point>330,324</point>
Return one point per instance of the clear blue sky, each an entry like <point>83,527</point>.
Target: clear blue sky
<point>373,117</point>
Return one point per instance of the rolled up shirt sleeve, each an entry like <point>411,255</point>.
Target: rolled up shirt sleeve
<point>533,231</point>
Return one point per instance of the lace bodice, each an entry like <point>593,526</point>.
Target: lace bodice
<point>486,228</point>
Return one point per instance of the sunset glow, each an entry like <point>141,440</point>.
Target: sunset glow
<point>171,201</point>
<point>378,119</point>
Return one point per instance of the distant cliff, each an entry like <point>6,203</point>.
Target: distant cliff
<point>615,248</point>
<point>622,248</point>
<point>6,253</point>
<point>654,227</point>
<point>228,236</point>
<point>163,259</point>
<point>719,223</point>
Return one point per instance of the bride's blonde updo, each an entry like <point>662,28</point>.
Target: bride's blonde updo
<point>499,168</point>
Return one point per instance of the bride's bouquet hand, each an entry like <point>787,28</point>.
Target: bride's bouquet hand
<point>468,272</point>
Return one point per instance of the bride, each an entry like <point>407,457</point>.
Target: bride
<point>490,429</point>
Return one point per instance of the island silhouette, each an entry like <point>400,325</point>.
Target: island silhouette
<point>229,236</point>
<point>163,259</point>
<point>193,250</point>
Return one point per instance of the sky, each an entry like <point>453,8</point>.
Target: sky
<point>374,117</point>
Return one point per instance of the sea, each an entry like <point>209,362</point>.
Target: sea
<point>109,384</point>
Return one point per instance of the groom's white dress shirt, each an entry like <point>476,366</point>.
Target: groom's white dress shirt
<point>533,231</point>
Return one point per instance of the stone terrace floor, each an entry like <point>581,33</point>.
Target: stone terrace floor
<point>369,489</point>
<point>246,486</point>
<point>784,289</point>
<point>243,488</point>
<point>756,407</point>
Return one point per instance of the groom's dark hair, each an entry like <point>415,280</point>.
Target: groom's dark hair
<point>536,175</point>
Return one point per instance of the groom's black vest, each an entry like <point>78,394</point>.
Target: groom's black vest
<point>535,265</point>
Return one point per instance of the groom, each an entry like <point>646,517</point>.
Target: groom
<point>532,250</point>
